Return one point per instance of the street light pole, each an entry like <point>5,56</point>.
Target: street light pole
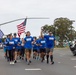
<point>23,19</point>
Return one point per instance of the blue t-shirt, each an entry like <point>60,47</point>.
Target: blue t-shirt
<point>17,43</point>
<point>35,45</point>
<point>42,43</point>
<point>11,44</point>
<point>49,41</point>
<point>28,42</point>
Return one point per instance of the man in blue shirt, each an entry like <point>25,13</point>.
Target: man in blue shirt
<point>42,44</point>
<point>50,43</point>
<point>28,46</point>
<point>35,48</point>
<point>17,47</point>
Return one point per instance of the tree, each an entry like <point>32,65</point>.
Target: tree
<point>62,27</point>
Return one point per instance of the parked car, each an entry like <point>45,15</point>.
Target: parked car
<point>73,48</point>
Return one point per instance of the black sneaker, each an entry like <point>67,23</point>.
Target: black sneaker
<point>52,63</point>
<point>20,57</point>
<point>15,61</point>
<point>30,61</point>
<point>26,59</point>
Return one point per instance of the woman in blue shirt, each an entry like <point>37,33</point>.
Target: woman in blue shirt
<point>28,47</point>
<point>11,47</point>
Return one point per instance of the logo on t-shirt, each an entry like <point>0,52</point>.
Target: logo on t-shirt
<point>51,38</point>
<point>28,39</point>
<point>42,41</point>
<point>11,42</point>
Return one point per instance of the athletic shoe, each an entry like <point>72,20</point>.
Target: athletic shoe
<point>52,63</point>
<point>15,61</point>
<point>10,63</point>
<point>29,61</point>
<point>20,57</point>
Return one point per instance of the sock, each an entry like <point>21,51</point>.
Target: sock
<point>47,58</point>
<point>51,58</point>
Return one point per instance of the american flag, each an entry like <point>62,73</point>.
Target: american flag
<point>1,34</point>
<point>21,27</point>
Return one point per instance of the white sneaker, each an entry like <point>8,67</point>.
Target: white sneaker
<point>10,63</point>
<point>13,63</point>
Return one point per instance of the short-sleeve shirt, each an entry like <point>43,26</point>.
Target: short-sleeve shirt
<point>11,44</point>
<point>49,41</point>
<point>42,42</point>
<point>17,41</point>
<point>28,42</point>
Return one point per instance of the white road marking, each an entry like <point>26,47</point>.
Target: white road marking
<point>73,59</point>
<point>33,69</point>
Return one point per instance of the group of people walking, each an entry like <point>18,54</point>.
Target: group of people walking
<point>39,48</point>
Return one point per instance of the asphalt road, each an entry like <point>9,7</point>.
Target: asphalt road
<point>65,64</point>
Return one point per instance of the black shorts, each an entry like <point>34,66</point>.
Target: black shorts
<point>35,50</point>
<point>28,50</point>
<point>43,50</point>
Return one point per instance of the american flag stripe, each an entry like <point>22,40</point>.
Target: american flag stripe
<point>21,28</point>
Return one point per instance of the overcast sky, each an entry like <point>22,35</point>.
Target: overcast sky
<point>14,9</point>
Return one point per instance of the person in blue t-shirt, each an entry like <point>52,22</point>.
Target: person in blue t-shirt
<point>42,44</point>
<point>17,47</point>
<point>28,46</point>
<point>11,46</point>
<point>50,43</point>
<point>35,48</point>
